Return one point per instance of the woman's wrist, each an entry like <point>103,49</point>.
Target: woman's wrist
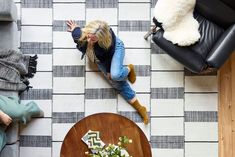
<point>75,28</point>
<point>76,33</point>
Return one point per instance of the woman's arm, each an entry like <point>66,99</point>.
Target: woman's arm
<point>76,34</point>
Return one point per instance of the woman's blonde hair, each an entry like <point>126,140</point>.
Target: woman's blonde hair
<point>101,30</point>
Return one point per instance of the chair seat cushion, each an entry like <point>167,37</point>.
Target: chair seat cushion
<point>8,35</point>
<point>184,55</point>
<point>210,33</point>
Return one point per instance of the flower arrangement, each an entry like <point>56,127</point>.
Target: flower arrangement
<point>112,150</point>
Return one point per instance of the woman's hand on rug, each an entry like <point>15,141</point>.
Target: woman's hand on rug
<point>5,119</point>
<point>72,25</point>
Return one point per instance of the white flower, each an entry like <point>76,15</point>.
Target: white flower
<point>124,152</point>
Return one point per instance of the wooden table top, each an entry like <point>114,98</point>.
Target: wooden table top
<point>111,127</point>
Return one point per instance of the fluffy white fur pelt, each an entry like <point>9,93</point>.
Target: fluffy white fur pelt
<point>177,20</point>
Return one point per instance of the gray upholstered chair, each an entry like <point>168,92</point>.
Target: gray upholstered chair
<point>9,40</point>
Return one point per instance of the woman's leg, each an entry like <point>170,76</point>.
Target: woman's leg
<point>141,109</point>
<point>118,71</point>
<point>127,93</point>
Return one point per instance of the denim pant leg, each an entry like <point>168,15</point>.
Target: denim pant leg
<point>118,71</point>
<point>122,87</point>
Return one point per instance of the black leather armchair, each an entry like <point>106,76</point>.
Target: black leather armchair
<point>217,28</point>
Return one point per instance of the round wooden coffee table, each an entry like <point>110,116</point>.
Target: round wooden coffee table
<point>111,127</point>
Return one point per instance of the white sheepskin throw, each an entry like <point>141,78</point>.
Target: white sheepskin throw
<point>177,20</point>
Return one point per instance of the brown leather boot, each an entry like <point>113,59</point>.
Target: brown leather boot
<point>141,110</point>
<point>132,74</point>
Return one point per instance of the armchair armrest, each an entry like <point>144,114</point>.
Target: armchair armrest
<point>8,10</point>
<point>222,48</point>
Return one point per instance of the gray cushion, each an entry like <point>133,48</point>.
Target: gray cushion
<point>8,10</point>
<point>10,150</point>
<point>8,35</point>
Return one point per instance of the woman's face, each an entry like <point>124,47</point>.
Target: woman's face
<point>91,38</point>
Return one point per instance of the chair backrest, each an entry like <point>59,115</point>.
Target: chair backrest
<point>217,11</point>
<point>230,3</point>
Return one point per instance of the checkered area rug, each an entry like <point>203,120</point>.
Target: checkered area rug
<point>182,106</point>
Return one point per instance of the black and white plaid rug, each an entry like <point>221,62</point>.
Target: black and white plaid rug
<point>183,107</point>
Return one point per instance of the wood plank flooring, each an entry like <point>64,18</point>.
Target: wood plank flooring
<point>226,113</point>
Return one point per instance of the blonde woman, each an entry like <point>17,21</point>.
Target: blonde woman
<point>98,41</point>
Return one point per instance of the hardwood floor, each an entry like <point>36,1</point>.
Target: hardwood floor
<point>226,113</point>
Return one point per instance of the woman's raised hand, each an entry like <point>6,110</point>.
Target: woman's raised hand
<point>72,25</point>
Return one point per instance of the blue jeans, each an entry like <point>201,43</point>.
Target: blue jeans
<point>119,72</point>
